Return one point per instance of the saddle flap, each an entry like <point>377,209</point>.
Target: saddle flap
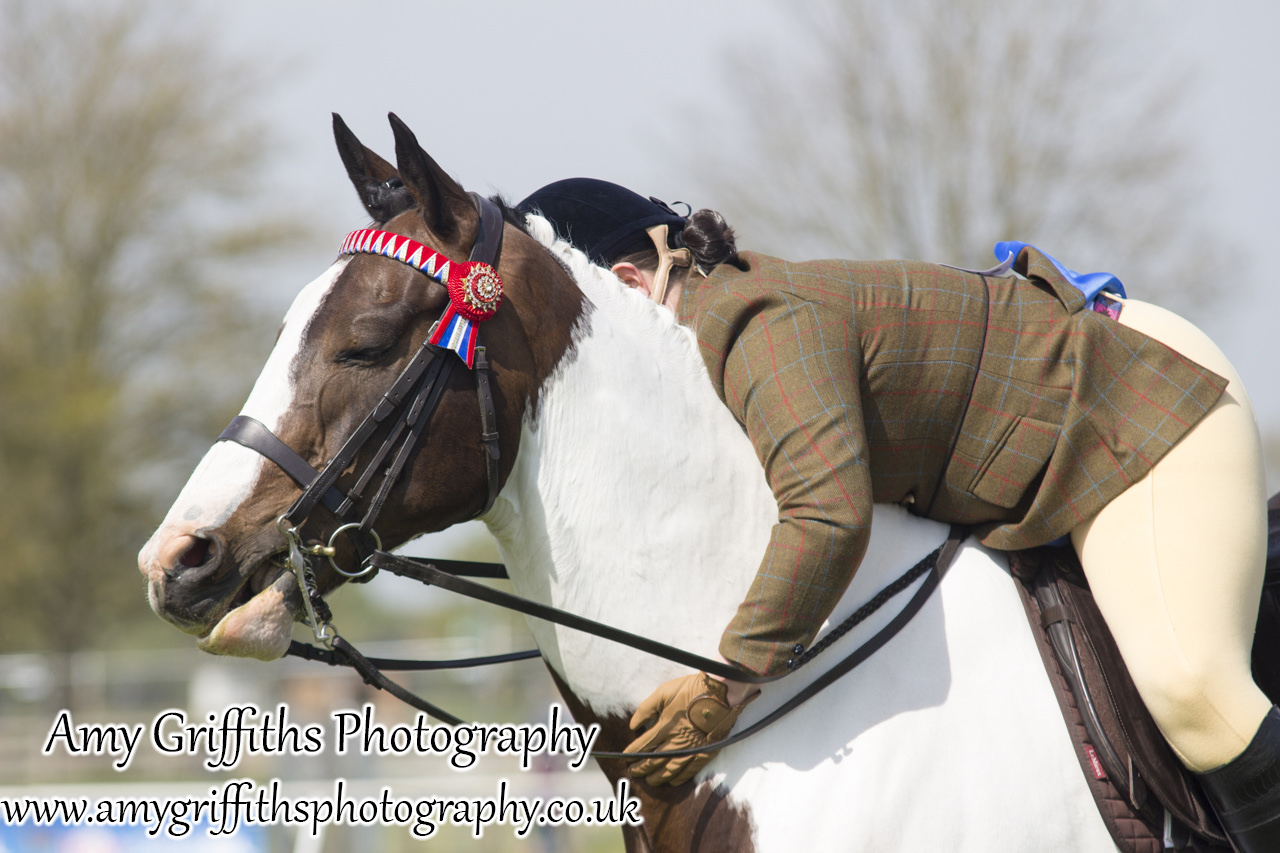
<point>1145,795</point>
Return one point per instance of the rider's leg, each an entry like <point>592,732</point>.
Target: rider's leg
<point>1176,565</point>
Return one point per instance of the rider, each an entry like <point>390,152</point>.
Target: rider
<point>997,401</point>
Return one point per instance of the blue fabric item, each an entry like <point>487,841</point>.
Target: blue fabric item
<point>1090,283</point>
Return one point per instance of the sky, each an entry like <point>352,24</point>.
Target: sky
<point>508,96</point>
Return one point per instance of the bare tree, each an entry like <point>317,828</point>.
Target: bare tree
<point>930,129</point>
<point>126,157</point>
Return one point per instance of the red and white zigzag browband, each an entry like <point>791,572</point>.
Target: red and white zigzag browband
<point>475,289</point>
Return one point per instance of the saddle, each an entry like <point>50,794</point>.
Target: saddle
<point>1147,799</point>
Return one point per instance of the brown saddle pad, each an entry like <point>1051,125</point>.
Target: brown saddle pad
<point>1145,796</point>
<point>1148,800</point>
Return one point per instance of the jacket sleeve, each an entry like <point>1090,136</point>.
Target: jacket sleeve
<point>791,379</point>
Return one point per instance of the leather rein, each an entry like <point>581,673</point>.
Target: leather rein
<point>412,399</point>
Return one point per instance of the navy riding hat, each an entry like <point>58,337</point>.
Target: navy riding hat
<point>603,218</point>
<point>599,217</point>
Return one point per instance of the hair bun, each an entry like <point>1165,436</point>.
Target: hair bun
<point>710,239</point>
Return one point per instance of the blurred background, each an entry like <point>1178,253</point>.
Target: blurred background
<point>168,182</point>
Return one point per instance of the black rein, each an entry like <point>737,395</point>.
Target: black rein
<point>933,567</point>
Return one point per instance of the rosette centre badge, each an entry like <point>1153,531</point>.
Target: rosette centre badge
<point>480,293</point>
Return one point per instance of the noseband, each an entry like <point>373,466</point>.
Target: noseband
<point>475,292</point>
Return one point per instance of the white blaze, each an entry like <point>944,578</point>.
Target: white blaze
<point>228,472</point>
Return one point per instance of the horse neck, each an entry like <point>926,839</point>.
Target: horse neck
<point>636,499</point>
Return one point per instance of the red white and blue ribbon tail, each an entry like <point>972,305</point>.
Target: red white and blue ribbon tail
<point>456,333</point>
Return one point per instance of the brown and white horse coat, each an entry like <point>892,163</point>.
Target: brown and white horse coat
<point>630,495</point>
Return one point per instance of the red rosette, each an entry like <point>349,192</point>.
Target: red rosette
<point>475,290</point>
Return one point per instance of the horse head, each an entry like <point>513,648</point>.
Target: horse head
<point>214,566</point>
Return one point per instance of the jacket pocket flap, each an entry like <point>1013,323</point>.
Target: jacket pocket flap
<point>1014,462</point>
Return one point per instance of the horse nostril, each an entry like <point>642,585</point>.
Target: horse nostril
<point>196,553</point>
<point>184,552</point>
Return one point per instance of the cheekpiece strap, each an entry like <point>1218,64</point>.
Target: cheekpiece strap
<point>475,289</point>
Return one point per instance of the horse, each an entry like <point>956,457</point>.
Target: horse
<point>626,492</point>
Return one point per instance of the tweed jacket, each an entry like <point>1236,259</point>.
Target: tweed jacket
<point>993,402</point>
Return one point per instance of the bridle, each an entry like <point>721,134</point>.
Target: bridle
<point>475,293</point>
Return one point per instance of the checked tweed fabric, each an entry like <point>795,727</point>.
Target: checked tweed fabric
<point>994,402</point>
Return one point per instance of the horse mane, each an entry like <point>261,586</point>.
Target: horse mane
<point>636,314</point>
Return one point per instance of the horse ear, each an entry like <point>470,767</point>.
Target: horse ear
<point>441,199</point>
<point>368,172</point>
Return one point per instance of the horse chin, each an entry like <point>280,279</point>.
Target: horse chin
<point>260,628</point>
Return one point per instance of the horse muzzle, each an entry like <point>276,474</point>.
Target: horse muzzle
<point>233,612</point>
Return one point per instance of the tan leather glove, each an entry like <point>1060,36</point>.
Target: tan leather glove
<point>684,712</point>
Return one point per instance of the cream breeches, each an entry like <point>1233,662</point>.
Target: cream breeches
<point>1176,564</point>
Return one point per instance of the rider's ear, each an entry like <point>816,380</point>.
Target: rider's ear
<point>631,276</point>
<point>441,199</point>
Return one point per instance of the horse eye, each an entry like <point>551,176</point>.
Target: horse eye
<point>370,340</point>
<point>362,356</point>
